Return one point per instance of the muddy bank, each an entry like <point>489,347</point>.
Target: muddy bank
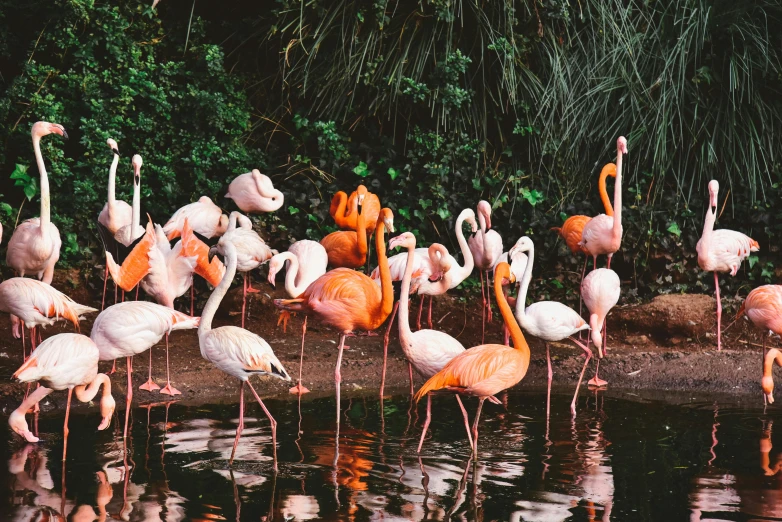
<point>642,354</point>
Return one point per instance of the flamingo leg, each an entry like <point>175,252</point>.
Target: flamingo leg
<point>113,367</point>
<point>608,263</point>
<point>32,339</point>
<point>488,298</point>
<point>300,389</point>
<point>420,312</point>
<point>105,280</point>
<point>244,297</point>
<point>150,384</point>
<point>385,346</point>
<point>65,426</point>
<point>483,309</point>
<point>429,317</point>
<point>763,363</point>
<point>129,397</point>
<point>597,381</point>
<point>466,420</point>
<point>427,421</point>
<point>250,289</point>
<point>505,335</point>
<point>240,427</point>
<point>137,287</point>
<point>24,348</point>
<point>338,373</point>
<point>580,298</point>
<point>192,299</point>
<point>475,426</point>
<point>168,389</point>
<point>271,420</point>
<point>550,378</point>
<point>410,371</point>
<point>587,357</point>
<point>719,311</point>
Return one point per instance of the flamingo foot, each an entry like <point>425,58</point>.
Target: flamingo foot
<point>368,334</point>
<point>149,386</point>
<point>113,368</point>
<point>299,389</point>
<point>251,290</point>
<point>170,390</point>
<point>283,318</point>
<point>597,382</point>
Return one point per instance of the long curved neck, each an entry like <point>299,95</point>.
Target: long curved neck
<point>617,231</point>
<point>112,181</point>
<point>482,224</point>
<point>45,204</point>
<point>768,363</point>
<point>136,211</point>
<point>405,334</point>
<point>609,210</point>
<point>521,298</point>
<point>290,275</point>
<point>338,205</point>
<point>708,225</point>
<point>361,231</point>
<point>87,393</point>
<point>463,271</point>
<point>220,290</point>
<point>519,343</point>
<point>386,287</point>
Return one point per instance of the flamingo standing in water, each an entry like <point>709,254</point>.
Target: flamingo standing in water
<point>116,213</point>
<point>236,351</point>
<point>763,306</point>
<point>307,261</point>
<point>548,320</point>
<point>486,248</point>
<point>254,193</point>
<point>130,328</point>
<point>64,361</point>
<point>488,369</point>
<point>600,291</point>
<point>347,248</point>
<point>721,250</point>
<point>348,300</point>
<point>251,251</point>
<point>34,247</point>
<point>602,235</point>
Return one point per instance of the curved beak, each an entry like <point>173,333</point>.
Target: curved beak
<point>272,279</point>
<point>212,253</point>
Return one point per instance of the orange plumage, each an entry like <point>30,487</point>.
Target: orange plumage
<point>342,209</point>
<point>193,247</point>
<point>348,249</point>
<point>136,265</point>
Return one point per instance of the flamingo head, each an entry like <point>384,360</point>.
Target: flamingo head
<point>387,217</point>
<point>18,423</point>
<point>439,255</point>
<point>137,163</point>
<point>484,211</point>
<point>275,265</point>
<point>222,225</point>
<point>361,192</point>
<point>714,190</point>
<point>107,405</point>
<point>524,244</point>
<point>621,145</point>
<point>113,146</point>
<point>502,271</point>
<point>404,240</point>
<point>42,128</point>
<point>470,218</point>
<point>767,383</point>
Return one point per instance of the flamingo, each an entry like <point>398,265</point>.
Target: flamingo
<point>254,192</point>
<point>486,248</point>
<point>127,234</point>
<point>428,351</point>
<point>602,235</point>
<point>206,219</point>
<point>348,300</point>
<point>548,320</point>
<point>34,246</point>
<point>348,249</point>
<point>251,250</point>
<point>721,250</point>
<point>307,261</point>
<point>130,328</point>
<point>600,291</point>
<point>763,306</point>
<point>64,361</point>
<point>236,351</point>
<point>485,370</point>
<point>345,214</point>
<point>518,263</point>
<point>36,303</point>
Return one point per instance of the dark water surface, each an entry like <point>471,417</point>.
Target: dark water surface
<point>619,459</point>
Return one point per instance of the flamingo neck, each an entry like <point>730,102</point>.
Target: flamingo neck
<point>521,298</point>
<point>136,209</point>
<point>45,203</point>
<point>617,230</point>
<point>361,230</point>
<point>219,292</point>
<point>708,225</point>
<point>85,393</point>
<point>112,198</point>
<point>519,343</point>
<point>461,272</point>
<point>291,274</point>
<point>386,287</point>
<point>609,209</point>
<point>338,207</point>
<point>595,324</point>
<point>405,334</point>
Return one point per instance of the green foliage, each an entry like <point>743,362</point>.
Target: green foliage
<point>23,179</point>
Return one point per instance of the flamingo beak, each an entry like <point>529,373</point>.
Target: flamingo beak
<point>212,253</point>
<point>59,129</point>
<point>115,151</point>
<point>272,279</point>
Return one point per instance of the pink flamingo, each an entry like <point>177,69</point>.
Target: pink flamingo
<point>206,219</point>
<point>130,328</point>
<point>518,263</point>
<point>236,351</point>
<point>721,250</point>
<point>36,303</point>
<point>307,261</point>
<point>251,251</point>
<point>254,193</point>
<point>64,361</point>
<point>602,235</point>
<point>34,247</point>
<point>600,291</point>
<point>763,306</point>
<point>548,320</point>
<point>127,234</point>
<point>486,248</point>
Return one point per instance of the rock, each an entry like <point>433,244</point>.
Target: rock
<point>670,319</point>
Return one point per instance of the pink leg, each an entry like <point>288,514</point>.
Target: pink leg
<point>137,287</point>
<point>475,426</point>
<point>429,318</point>
<point>168,389</point>
<point>150,384</point>
<point>608,263</point>
<point>240,427</point>
<point>113,367</point>
<point>587,357</point>
<point>488,298</point>
<point>426,422</point>
<point>250,289</point>
<point>597,381</point>
<point>65,426</point>
<point>271,420</point>
<point>466,420</point>
<point>483,310</point>
<point>420,312</point>
<point>338,373</point>
<point>192,300</point>
<point>244,297</point>
<point>719,311</point>
<point>410,371</point>
<point>105,280</point>
<point>505,335</point>
<point>32,339</point>
<point>129,396</point>
<point>24,348</point>
<point>385,346</point>
<point>581,299</point>
<point>300,389</point>
<point>550,378</point>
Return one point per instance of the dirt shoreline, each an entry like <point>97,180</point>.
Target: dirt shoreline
<point>634,361</point>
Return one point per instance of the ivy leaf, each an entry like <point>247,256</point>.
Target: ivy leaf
<point>444,213</point>
<point>674,229</point>
<point>5,207</point>
<point>292,210</point>
<point>393,173</point>
<point>768,271</point>
<point>23,179</point>
<point>752,260</point>
<point>533,196</point>
<point>361,169</point>
<point>404,212</point>
<point>425,203</point>
<point>476,183</point>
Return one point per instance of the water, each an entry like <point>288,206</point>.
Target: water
<point>619,460</point>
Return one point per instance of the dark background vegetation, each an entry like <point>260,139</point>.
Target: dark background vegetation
<point>434,104</point>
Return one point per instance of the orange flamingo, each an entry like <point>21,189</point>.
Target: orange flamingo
<point>763,306</point>
<point>344,213</point>
<point>348,248</point>
<point>488,369</point>
<point>348,300</point>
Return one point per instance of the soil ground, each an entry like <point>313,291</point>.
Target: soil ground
<point>665,345</point>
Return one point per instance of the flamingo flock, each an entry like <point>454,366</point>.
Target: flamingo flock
<point>322,283</point>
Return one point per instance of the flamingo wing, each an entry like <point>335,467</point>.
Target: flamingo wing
<point>213,270</point>
<point>61,361</point>
<point>136,264</point>
<point>239,352</point>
